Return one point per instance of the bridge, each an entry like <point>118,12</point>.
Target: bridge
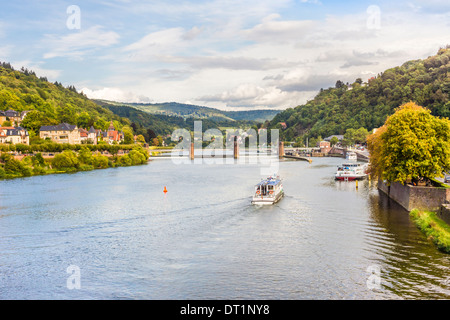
<point>334,151</point>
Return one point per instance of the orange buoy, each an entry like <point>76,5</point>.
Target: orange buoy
<point>165,190</point>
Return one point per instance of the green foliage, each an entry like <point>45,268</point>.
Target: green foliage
<point>66,161</point>
<point>128,135</point>
<point>354,136</point>
<point>38,160</point>
<point>337,109</point>
<point>50,103</point>
<point>334,141</point>
<point>70,158</point>
<point>413,144</point>
<point>434,228</point>
<point>85,156</point>
<point>100,162</point>
<point>14,168</point>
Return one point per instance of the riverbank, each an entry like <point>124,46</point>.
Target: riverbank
<point>67,161</point>
<point>434,228</point>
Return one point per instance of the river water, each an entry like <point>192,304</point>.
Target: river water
<point>204,240</point>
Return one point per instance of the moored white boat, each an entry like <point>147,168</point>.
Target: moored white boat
<point>351,156</point>
<point>351,171</point>
<point>268,191</point>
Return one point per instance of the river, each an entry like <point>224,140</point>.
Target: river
<point>204,240</point>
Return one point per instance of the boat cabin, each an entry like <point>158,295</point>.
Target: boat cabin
<point>267,187</point>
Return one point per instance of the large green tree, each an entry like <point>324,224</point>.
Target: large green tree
<point>413,144</point>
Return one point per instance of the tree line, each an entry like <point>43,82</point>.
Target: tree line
<point>68,161</point>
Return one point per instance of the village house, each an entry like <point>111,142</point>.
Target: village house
<point>67,133</point>
<point>15,117</point>
<point>61,133</point>
<point>83,135</point>
<point>88,137</point>
<point>92,135</point>
<point>113,135</point>
<point>14,135</point>
<point>324,146</point>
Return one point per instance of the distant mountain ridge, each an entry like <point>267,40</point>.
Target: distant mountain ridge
<point>195,111</point>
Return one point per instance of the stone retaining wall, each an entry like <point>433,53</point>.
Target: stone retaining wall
<point>416,197</point>
<point>444,213</point>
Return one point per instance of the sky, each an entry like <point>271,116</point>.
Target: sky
<point>225,54</point>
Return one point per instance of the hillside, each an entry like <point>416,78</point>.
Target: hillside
<point>166,122</point>
<point>50,103</point>
<point>185,111</point>
<point>334,110</point>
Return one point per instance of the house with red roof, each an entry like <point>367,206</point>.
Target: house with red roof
<point>14,135</point>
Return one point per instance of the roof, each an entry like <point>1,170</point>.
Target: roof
<point>339,136</point>
<point>83,132</point>
<point>12,113</point>
<point>19,131</point>
<point>59,127</point>
<point>269,182</point>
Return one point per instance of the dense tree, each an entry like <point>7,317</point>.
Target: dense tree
<point>67,160</point>
<point>128,135</point>
<point>50,103</point>
<point>413,144</point>
<point>140,138</point>
<point>84,120</point>
<point>334,141</point>
<point>33,121</point>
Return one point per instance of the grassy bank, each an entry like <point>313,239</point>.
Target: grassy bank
<point>66,162</point>
<point>434,228</point>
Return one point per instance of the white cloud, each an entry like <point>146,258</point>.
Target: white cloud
<point>237,54</point>
<point>252,96</point>
<point>115,94</point>
<point>77,44</point>
<point>274,30</point>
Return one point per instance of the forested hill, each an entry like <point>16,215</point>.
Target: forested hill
<point>334,110</point>
<point>186,111</point>
<point>51,103</point>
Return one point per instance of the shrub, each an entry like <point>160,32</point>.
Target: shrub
<point>67,161</point>
<point>136,157</point>
<point>100,162</point>
<point>85,156</point>
<point>85,167</point>
<point>123,160</point>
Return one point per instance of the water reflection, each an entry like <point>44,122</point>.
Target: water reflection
<point>411,265</point>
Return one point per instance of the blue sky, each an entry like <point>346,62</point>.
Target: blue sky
<point>225,54</point>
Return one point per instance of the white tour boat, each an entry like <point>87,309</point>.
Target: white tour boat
<point>268,191</point>
<point>351,171</point>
